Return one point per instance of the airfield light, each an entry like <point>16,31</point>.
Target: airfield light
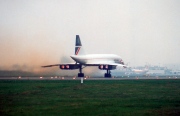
<point>81,80</point>
<point>40,77</point>
<point>51,77</point>
<point>106,66</point>
<point>19,77</point>
<point>62,77</point>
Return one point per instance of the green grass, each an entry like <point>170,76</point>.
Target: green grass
<point>94,97</point>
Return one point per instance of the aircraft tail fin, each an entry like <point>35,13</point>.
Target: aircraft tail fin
<point>78,41</point>
<point>78,46</point>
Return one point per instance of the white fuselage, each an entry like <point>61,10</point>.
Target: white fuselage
<point>97,59</point>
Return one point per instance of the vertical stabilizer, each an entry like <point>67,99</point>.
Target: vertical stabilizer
<point>78,46</point>
<point>78,41</point>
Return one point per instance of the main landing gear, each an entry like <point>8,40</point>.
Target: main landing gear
<point>80,74</point>
<point>108,74</point>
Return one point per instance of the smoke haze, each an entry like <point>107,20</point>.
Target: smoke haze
<point>35,32</point>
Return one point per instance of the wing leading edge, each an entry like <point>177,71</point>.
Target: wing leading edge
<point>51,65</point>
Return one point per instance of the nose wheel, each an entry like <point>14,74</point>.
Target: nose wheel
<point>108,74</point>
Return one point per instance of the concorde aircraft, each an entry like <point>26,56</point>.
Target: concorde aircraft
<point>103,61</point>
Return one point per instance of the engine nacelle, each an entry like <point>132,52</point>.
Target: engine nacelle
<point>107,67</point>
<point>69,67</point>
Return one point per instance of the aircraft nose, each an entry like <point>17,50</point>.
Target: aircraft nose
<point>121,62</point>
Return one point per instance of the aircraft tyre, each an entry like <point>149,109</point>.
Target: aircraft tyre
<point>107,75</point>
<point>80,74</point>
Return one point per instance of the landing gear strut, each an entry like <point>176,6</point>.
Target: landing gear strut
<point>108,74</point>
<point>80,74</point>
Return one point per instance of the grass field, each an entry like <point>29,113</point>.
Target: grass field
<point>94,97</point>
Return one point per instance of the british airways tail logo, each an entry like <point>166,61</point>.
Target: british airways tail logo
<point>77,50</point>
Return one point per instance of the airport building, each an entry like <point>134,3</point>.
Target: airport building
<point>151,71</point>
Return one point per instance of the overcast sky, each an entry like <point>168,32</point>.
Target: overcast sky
<point>40,32</point>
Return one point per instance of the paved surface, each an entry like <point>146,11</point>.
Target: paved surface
<point>86,78</point>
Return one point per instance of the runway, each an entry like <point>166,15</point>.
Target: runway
<point>87,78</point>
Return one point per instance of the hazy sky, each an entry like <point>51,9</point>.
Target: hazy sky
<point>40,32</point>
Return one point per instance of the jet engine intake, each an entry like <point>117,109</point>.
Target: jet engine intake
<point>69,67</point>
<point>107,67</point>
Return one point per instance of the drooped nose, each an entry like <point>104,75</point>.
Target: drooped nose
<point>121,62</point>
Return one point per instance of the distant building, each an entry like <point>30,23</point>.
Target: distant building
<point>175,72</point>
<point>152,71</point>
